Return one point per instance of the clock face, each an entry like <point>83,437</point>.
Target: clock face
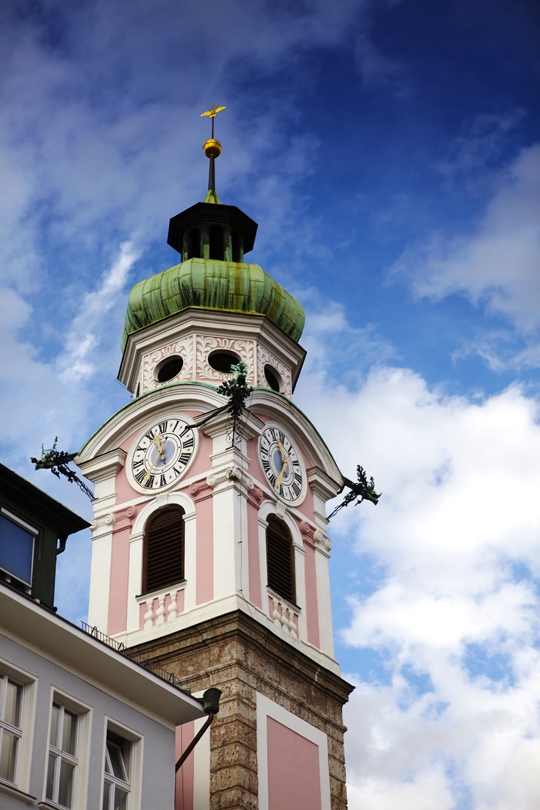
<point>162,454</point>
<point>281,464</point>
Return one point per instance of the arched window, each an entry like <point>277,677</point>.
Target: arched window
<point>194,246</point>
<point>164,549</point>
<point>216,242</point>
<point>280,559</point>
<point>235,243</point>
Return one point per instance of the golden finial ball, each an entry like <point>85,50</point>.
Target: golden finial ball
<point>212,148</point>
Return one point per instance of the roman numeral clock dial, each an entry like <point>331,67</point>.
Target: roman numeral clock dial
<point>281,464</point>
<point>161,454</point>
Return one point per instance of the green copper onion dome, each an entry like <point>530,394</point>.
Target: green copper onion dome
<point>211,284</point>
<point>212,240</point>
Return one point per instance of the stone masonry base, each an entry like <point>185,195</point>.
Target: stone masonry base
<point>240,657</point>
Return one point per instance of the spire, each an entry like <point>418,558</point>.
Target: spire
<point>210,230</point>
<point>212,150</point>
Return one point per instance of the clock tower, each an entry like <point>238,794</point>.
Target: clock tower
<point>210,548</point>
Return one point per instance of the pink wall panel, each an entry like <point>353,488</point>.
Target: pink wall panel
<point>118,595</point>
<point>205,551</point>
<point>202,463</point>
<point>312,607</point>
<point>186,774</point>
<point>124,490</point>
<point>294,779</point>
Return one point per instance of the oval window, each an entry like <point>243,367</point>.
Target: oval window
<point>222,361</point>
<point>272,378</point>
<point>168,369</point>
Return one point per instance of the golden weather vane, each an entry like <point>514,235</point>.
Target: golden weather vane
<point>211,147</point>
<point>211,111</point>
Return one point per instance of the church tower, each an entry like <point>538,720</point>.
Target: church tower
<point>210,552</point>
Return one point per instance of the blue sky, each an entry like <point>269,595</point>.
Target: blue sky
<point>390,153</point>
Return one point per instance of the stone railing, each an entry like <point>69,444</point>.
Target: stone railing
<point>159,609</point>
<point>283,615</point>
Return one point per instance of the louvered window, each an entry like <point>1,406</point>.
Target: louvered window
<point>164,549</point>
<point>280,559</point>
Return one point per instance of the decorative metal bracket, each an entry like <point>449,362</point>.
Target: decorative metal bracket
<point>360,491</point>
<point>56,461</point>
<point>237,391</point>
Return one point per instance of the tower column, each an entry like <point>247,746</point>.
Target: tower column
<point>237,551</point>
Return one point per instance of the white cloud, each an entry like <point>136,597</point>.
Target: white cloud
<point>326,334</point>
<point>88,326</point>
<point>90,143</point>
<point>454,599</point>
<point>379,71</point>
<point>497,264</point>
<point>479,146</point>
<point>47,395</point>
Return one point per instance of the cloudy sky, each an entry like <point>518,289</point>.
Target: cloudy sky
<point>390,153</point>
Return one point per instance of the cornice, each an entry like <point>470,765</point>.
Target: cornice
<point>321,483</point>
<point>230,474</point>
<point>104,466</point>
<point>253,634</point>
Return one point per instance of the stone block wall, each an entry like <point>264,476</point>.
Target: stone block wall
<point>240,657</point>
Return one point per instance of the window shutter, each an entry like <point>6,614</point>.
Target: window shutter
<point>164,555</point>
<point>280,559</point>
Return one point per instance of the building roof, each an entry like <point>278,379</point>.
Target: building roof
<point>212,284</point>
<point>31,499</point>
<point>70,647</point>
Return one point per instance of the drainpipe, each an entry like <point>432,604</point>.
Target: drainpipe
<point>62,547</point>
<point>211,707</point>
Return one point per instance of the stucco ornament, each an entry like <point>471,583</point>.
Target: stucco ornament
<point>264,358</point>
<point>205,345</point>
<point>181,348</point>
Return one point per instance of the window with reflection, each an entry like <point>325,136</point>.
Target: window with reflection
<point>63,756</point>
<point>116,781</point>
<point>16,548</point>
<point>11,694</point>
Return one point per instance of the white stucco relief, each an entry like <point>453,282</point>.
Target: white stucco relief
<point>265,358</point>
<point>183,348</point>
<point>244,348</point>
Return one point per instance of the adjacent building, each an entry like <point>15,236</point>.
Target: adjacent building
<point>81,725</point>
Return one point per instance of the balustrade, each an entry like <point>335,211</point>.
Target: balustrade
<point>165,612</point>
<point>283,615</point>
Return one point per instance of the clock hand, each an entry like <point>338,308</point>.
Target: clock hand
<point>147,476</point>
<point>159,446</point>
<point>280,476</point>
<point>281,450</point>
